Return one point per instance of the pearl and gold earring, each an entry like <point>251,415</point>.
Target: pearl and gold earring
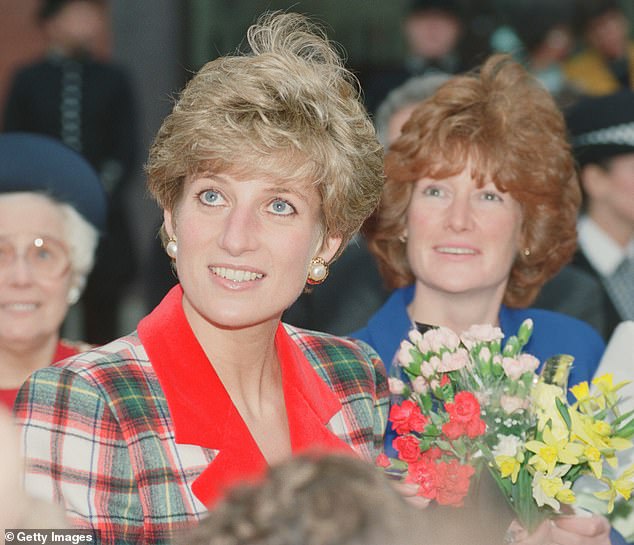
<point>318,271</point>
<point>171,248</point>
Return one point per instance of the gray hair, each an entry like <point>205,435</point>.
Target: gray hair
<point>414,90</point>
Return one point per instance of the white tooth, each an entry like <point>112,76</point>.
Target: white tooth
<point>459,251</point>
<point>235,275</point>
<point>21,306</point>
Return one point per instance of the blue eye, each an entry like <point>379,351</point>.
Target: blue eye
<point>281,208</point>
<point>432,191</point>
<point>211,197</point>
<point>491,196</point>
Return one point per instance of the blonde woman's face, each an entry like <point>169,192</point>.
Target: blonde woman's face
<point>245,244</point>
<point>33,301</point>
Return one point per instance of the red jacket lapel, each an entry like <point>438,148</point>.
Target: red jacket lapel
<point>202,411</point>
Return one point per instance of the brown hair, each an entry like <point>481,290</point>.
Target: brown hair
<point>314,500</point>
<point>287,108</point>
<point>503,120</point>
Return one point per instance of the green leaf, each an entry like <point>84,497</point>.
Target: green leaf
<point>623,417</point>
<point>444,445</point>
<point>563,411</point>
<point>626,432</point>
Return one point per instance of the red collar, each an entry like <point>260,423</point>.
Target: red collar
<point>202,411</point>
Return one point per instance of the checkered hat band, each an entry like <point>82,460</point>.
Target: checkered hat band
<point>617,135</point>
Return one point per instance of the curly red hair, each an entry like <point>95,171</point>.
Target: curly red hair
<point>503,121</point>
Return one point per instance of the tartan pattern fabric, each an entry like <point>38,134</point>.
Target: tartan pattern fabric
<point>99,438</point>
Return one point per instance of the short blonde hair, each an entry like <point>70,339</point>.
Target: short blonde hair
<point>509,125</point>
<point>287,108</point>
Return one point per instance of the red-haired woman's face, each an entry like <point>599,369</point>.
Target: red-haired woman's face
<point>461,237</point>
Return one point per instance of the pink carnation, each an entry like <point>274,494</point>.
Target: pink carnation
<point>396,386</point>
<point>443,337</point>
<point>516,367</point>
<point>452,361</point>
<point>404,356</point>
<point>481,334</point>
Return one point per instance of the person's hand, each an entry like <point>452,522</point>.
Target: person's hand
<point>517,535</point>
<point>408,491</point>
<point>564,530</point>
<point>576,530</point>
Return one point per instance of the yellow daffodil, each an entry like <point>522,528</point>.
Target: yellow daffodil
<point>550,489</point>
<point>546,409</point>
<point>597,434</point>
<point>553,449</point>
<point>593,456</point>
<point>581,392</point>
<point>509,466</point>
<point>621,486</point>
<point>606,386</point>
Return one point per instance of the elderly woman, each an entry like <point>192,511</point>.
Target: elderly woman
<point>52,207</point>
<point>266,166</point>
<point>478,211</point>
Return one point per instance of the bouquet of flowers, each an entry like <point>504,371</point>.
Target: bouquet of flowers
<point>471,402</point>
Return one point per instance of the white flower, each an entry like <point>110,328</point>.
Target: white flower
<point>547,486</point>
<point>508,445</point>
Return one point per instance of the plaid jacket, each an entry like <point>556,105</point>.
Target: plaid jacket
<point>136,437</point>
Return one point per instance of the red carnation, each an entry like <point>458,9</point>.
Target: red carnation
<point>407,417</point>
<point>408,448</point>
<point>453,430</point>
<point>455,479</point>
<point>464,408</point>
<point>475,428</point>
<point>382,460</point>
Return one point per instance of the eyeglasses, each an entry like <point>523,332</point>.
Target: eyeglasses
<point>45,256</point>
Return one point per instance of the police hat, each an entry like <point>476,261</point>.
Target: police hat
<point>602,127</point>
<point>451,7</point>
<point>32,162</point>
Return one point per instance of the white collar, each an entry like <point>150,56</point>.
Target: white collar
<point>602,252</point>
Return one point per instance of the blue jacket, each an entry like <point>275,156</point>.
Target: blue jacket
<point>553,333</point>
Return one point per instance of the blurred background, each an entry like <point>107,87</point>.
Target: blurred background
<point>160,43</point>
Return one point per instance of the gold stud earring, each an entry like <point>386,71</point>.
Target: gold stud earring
<point>318,271</point>
<point>171,248</point>
<point>403,237</point>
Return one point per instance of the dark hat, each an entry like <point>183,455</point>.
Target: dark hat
<point>602,127</point>
<point>450,6</point>
<point>32,162</point>
<point>50,8</point>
